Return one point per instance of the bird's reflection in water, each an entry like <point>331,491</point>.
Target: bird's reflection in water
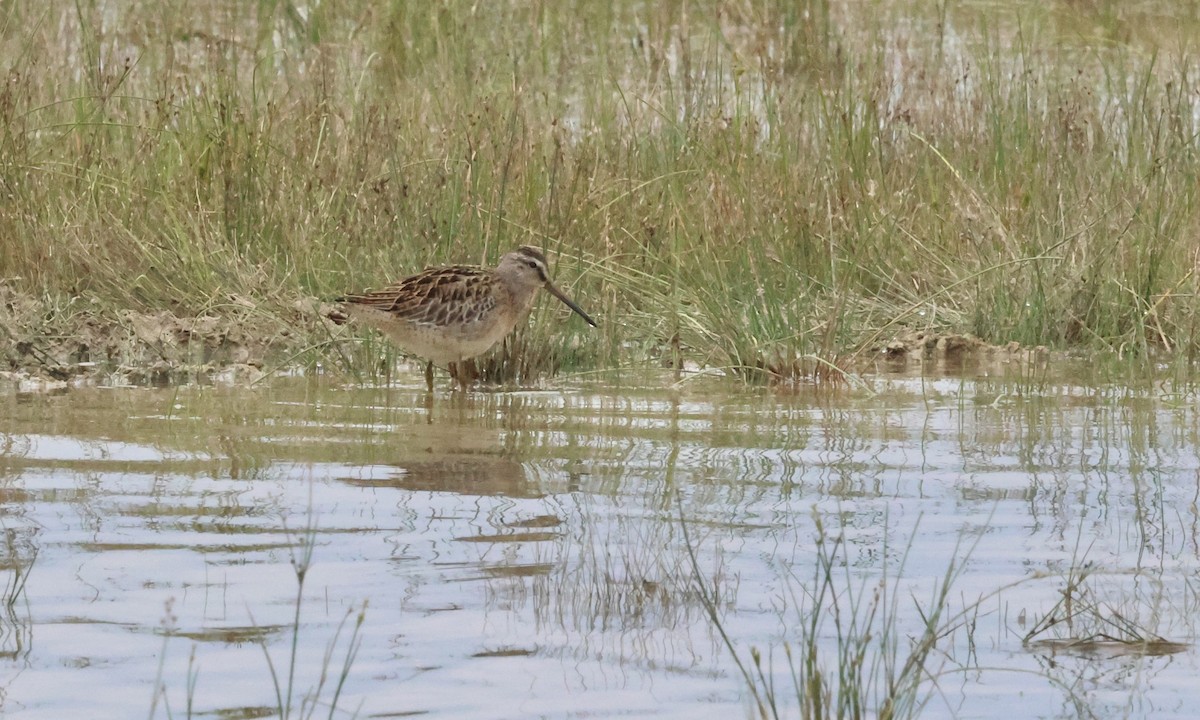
<point>460,474</point>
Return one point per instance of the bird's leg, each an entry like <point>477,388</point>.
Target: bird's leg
<point>429,376</point>
<point>463,372</point>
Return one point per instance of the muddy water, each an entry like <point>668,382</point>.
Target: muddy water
<point>521,554</point>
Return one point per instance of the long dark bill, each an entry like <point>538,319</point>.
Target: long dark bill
<point>570,303</point>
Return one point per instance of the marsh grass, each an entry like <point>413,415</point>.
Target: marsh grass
<point>1085,623</point>
<point>331,672</point>
<point>849,656</point>
<point>852,649</point>
<point>742,185</point>
<point>290,702</point>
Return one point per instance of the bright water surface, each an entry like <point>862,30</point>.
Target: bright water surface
<point>520,553</point>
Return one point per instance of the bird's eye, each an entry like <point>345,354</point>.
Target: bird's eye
<point>531,264</point>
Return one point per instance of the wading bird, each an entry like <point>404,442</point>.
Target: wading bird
<point>450,314</point>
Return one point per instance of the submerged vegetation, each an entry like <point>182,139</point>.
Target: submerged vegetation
<point>744,185</point>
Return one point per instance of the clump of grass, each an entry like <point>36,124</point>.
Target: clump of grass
<point>287,702</point>
<point>743,186</point>
<point>285,691</point>
<point>870,668</point>
<point>1082,623</point>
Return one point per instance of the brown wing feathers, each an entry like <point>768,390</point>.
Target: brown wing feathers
<point>438,296</point>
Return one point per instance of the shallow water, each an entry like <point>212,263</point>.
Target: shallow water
<point>520,553</point>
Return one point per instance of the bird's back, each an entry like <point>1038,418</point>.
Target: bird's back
<point>444,314</point>
<point>439,297</point>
